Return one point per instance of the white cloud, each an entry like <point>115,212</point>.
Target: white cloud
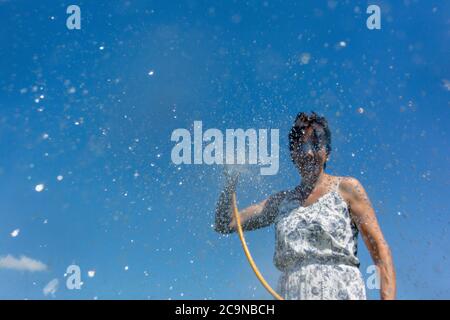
<point>22,264</point>
<point>51,287</point>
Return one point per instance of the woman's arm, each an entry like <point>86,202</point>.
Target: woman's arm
<point>364,216</point>
<point>253,217</point>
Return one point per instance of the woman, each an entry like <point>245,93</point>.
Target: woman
<point>316,224</point>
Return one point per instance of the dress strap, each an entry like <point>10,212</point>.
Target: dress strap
<point>338,183</point>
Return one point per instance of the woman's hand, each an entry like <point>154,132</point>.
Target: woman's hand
<point>253,217</point>
<point>231,179</point>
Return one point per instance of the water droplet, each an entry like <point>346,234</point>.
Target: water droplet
<point>15,233</point>
<point>72,90</point>
<point>305,58</point>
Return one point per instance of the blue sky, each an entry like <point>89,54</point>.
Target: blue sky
<point>97,107</point>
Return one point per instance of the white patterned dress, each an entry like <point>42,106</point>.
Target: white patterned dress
<point>316,249</point>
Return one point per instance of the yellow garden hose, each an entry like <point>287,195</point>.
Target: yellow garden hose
<point>247,252</point>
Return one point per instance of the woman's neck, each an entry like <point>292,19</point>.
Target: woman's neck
<point>308,183</point>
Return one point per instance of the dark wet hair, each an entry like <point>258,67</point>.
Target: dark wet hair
<point>303,121</point>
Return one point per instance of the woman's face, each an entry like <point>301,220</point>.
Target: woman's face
<point>310,153</point>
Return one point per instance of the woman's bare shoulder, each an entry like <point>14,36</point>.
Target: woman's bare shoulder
<point>348,183</point>
<point>351,188</point>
